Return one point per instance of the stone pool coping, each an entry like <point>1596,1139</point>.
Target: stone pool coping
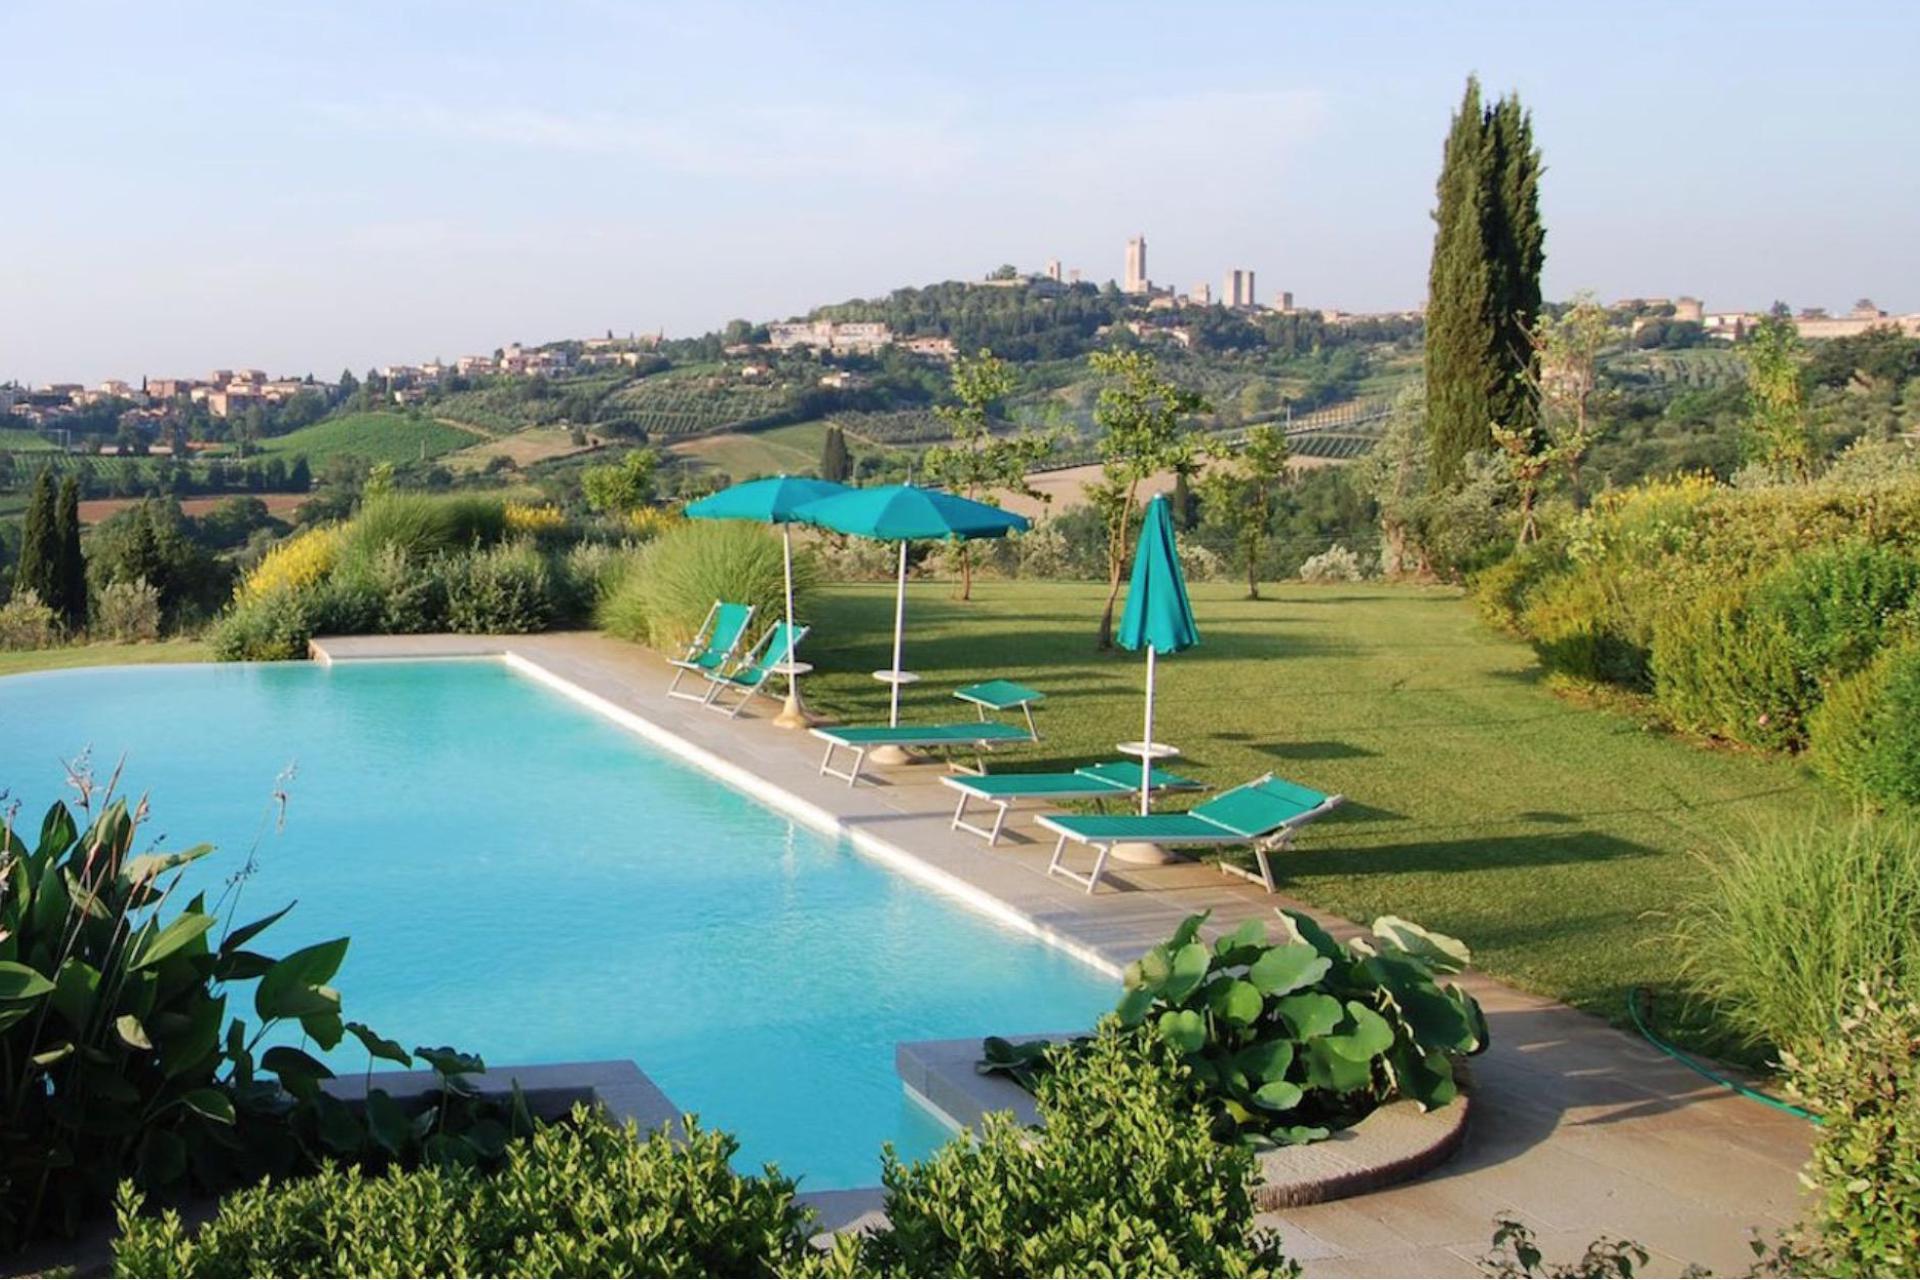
<point>1580,1130</point>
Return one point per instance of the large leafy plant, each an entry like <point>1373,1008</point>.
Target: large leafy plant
<point>1290,1040</point>
<point>118,1057</point>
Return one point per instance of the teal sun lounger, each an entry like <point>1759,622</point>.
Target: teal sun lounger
<point>712,648</point>
<point>1264,814</point>
<point>1114,780</point>
<point>981,734</point>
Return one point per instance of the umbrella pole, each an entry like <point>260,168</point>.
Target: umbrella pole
<point>793,715</point>
<point>1146,758</point>
<point>899,625</point>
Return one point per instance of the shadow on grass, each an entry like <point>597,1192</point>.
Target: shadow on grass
<point>1325,750</point>
<point>1490,853</point>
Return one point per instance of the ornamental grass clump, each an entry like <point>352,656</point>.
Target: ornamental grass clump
<point>674,580</point>
<point>1793,919</point>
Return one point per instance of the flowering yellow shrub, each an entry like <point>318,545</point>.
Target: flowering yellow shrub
<point>300,561</point>
<point>651,522</point>
<point>531,520</point>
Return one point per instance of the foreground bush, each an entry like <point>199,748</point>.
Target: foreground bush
<point>1866,735</point>
<point>27,623</point>
<point>505,590</point>
<point>117,1055</point>
<point>582,1198</point>
<point>128,612</point>
<point>673,581</point>
<point>1122,1180</point>
<point>1793,920</point>
<point>420,525</point>
<point>1864,1084</point>
<point>300,561</point>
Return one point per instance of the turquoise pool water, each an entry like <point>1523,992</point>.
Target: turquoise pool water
<point>525,880</point>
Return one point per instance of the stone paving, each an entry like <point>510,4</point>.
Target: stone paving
<point>1579,1130</point>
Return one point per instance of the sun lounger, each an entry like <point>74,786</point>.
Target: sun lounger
<point>761,663</point>
<point>981,734</point>
<point>712,648</point>
<point>1264,813</point>
<point>1111,781</point>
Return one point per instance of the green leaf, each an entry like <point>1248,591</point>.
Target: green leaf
<point>1134,1006</point>
<point>293,987</point>
<point>163,1159</point>
<point>378,1046</point>
<point>324,1029</point>
<point>1335,1072</point>
<point>75,990</point>
<point>1184,1029</point>
<point>186,928</point>
<point>1266,1061</point>
<point>12,1013</point>
<point>338,1127</point>
<point>1278,1095</point>
<point>1369,1037</point>
<point>248,932</point>
<point>1289,968</point>
<point>487,1137</point>
<point>131,1033</point>
<point>1189,970</point>
<point>1189,930</point>
<point>241,966</point>
<point>209,1103</point>
<point>1237,1002</point>
<point>299,1072</point>
<point>57,832</point>
<point>143,869</point>
<point>1302,927</point>
<point>387,1123</point>
<point>449,1152</point>
<point>1443,954</point>
<point>450,1062</point>
<point>52,1054</point>
<point>1310,1014</point>
<point>1251,933</point>
<point>18,982</point>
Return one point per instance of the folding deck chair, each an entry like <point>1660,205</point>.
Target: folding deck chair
<point>1264,813</point>
<point>760,664</point>
<point>1114,780</point>
<point>712,647</point>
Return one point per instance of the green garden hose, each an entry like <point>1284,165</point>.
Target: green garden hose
<point>1779,1104</point>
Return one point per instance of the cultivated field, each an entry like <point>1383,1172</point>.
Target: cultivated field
<point>377,437</point>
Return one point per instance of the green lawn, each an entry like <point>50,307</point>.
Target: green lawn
<point>377,437</point>
<point>794,449</point>
<point>1557,840</point>
<point>103,655</point>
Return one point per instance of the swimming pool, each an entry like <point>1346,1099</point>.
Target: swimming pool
<point>528,881</point>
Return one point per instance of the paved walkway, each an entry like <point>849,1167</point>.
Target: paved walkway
<point>1579,1130</point>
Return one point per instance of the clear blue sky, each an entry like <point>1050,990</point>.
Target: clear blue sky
<point>306,186</point>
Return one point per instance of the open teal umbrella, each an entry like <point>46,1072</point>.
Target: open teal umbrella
<point>904,512</point>
<point>1159,617</point>
<point>774,500</point>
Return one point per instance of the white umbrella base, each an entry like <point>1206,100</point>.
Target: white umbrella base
<point>1141,854</point>
<point>794,713</point>
<point>892,755</point>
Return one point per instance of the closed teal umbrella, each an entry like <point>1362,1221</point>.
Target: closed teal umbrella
<point>902,512</point>
<point>1159,617</point>
<point>773,500</point>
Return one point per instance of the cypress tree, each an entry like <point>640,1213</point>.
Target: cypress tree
<point>1483,289</point>
<point>835,464</point>
<point>38,569</point>
<point>73,563</point>
<point>1462,298</point>
<point>1519,251</point>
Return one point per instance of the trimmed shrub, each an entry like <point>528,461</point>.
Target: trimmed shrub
<point>128,612</point>
<point>581,1198</point>
<point>1866,734</point>
<point>1793,920</point>
<point>586,575</point>
<point>504,590</point>
<point>409,599</point>
<point>1336,564</point>
<point>662,599</point>
<point>1864,1084</point>
<point>1837,605</point>
<point>1721,669</point>
<point>26,623</point>
<point>1123,1179</point>
<point>1580,628</point>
